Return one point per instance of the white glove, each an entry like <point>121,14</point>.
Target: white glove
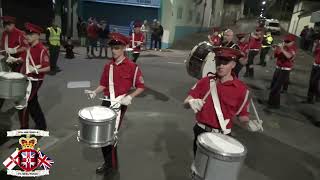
<point>139,43</point>
<point>92,94</point>
<point>12,50</point>
<point>12,59</point>
<point>126,100</point>
<point>34,69</point>
<point>255,125</point>
<point>196,104</point>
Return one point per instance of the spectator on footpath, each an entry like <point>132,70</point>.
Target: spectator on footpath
<point>69,49</point>
<point>131,27</point>
<point>309,38</point>
<point>103,37</point>
<point>153,27</point>
<point>303,35</point>
<point>82,31</point>
<point>159,34</point>
<point>145,30</point>
<point>92,37</point>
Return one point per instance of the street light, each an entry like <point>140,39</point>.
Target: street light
<point>263,2</point>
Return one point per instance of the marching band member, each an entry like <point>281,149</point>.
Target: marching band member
<point>243,47</point>
<point>285,54</point>
<point>215,38</point>
<point>223,89</point>
<point>14,43</point>
<point>116,81</point>
<point>228,40</point>
<point>314,82</point>
<point>136,41</point>
<point>254,48</point>
<point>35,65</point>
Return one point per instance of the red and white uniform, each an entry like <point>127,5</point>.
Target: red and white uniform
<point>40,56</point>
<point>232,95</point>
<point>255,44</point>
<point>124,77</point>
<point>317,55</point>
<point>138,38</point>
<point>244,47</point>
<point>216,40</point>
<point>282,61</point>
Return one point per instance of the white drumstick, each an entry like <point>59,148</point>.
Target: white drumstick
<point>255,110</point>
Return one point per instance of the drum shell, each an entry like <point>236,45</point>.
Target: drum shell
<point>96,134</point>
<point>13,88</point>
<point>129,54</point>
<point>209,165</point>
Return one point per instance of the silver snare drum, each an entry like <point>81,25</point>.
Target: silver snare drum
<point>97,126</point>
<point>218,157</point>
<point>12,85</point>
<point>200,62</point>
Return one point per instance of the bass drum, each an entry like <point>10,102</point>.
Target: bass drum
<point>200,62</point>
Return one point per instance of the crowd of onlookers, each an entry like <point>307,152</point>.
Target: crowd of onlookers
<point>308,37</point>
<point>94,35</point>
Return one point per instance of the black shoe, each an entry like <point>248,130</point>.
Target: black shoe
<point>283,91</point>
<point>52,73</point>
<point>273,106</point>
<point>264,64</point>
<point>307,102</point>
<point>104,169</point>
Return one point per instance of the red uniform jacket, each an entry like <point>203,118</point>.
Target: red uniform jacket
<point>40,56</point>
<point>255,43</point>
<point>137,37</point>
<point>92,31</point>
<point>282,60</point>
<point>317,54</point>
<point>231,94</point>
<point>123,77</point>
<point>244,47</point>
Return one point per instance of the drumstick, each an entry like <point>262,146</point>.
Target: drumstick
<point>255,110</point>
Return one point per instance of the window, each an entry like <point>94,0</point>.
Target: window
<point>179,13</point>
<point>190,16</point>
<point>198,18</point>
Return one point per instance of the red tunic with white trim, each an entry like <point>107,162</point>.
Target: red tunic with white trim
<point>282,60</point>
<point>138,37</point>
<point>232,95</point>
<point>15,38</point>
<point>123,77</point>
<point>40,56</point>
<point>216,40</point>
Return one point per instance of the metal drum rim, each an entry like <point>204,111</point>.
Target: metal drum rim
<point>94,145</point>
<point>105,121</point>
<point>19,79</point>
<point>218,154</point>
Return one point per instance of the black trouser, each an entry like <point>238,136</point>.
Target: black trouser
<point>34,109</point>
<point>285,86</point>
<point>153,41</point>
<point>263,53</point>
<point>314,84</point>
<point>158,42</point>
<point>238,68</point>
<point>279,78</point>
<point>249,66</point>
<point>196,131</point>
<point>54,55</point>
<point>109,152</point>
<point>135,57</point>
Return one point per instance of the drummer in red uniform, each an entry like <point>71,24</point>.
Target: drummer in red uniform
<point>13,42</point>
<point>35,65</point>
<point>138,41</point>
<point>285,54</point>
<point>123,74</point>
<point>215,38</point>
<point>254,48</point>
<point>244,48</point>
<point>231,93</point>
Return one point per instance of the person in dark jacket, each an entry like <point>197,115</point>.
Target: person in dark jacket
<point>69,49</point>
<point>103,37</point>
<point>158,36</point>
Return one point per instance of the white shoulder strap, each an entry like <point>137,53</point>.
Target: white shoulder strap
<point>243,103</point>
<point>135,77</point>
<point>111,84</point>
<point>217,106</point>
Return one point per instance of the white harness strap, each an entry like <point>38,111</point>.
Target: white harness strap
<point>135,77</point>
<point>28,60</point>
<point>133,46</point>
<point>114,99</point>
<point>6,43</point>
<point>243,103</point>
<point>216,103</point>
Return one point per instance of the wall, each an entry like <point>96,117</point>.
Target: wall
<point>232,13</point>
<point>217,12</point>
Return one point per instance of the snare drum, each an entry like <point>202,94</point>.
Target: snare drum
<point>200,62</point>
<point>218,157</point>
<point>13,85</point>
<point>129,53</point>
<point>3,64</point>
<point>97,126</point>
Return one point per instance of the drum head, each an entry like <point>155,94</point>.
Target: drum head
<point>97,114</point>
<point>129,49</point>
<point>11,75</point>
<point>221,144</point>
